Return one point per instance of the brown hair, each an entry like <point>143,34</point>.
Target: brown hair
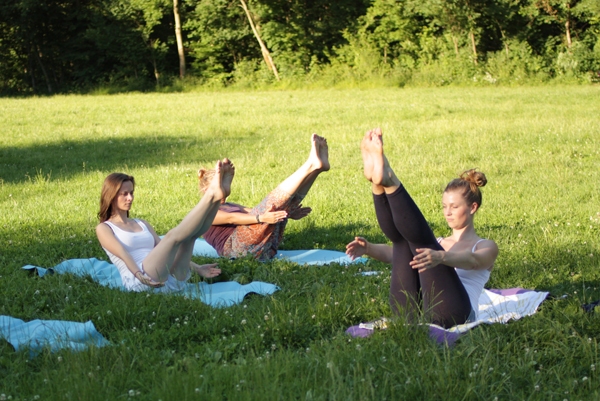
<point>468,184</point>
<point>110,189</point>
<point>205,177</point>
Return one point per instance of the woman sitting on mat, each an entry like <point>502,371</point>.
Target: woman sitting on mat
<point>238,230</point>
<point>143,259</point>
<point>447,274</point>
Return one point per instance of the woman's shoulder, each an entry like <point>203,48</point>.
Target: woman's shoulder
<point>485,243</point>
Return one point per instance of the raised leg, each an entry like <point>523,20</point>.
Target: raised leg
<point>445,301</point>
<point>303,178</point>
<point>405,286</point>
<point>161,260</point>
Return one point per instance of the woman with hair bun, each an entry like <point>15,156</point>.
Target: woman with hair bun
<point>444,276</point>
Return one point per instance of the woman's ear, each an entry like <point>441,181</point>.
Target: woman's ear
<point>474,207</point>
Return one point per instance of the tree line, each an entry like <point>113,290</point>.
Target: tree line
<point>59,46</point>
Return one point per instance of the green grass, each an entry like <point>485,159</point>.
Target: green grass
<point>538,146</point>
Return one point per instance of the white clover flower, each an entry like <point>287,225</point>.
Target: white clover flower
<point>132,393</point>
<point>266,317</point>
<point>243,321</point>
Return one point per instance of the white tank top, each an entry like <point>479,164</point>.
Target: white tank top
<point>473,281</point>
<point>138,245</point>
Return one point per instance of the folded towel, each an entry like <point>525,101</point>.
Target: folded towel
<point>495,306</point>
<point>56,334</point>
<point>216,295</point>
<point>306,257</point>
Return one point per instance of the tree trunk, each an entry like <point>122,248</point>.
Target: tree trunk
<point>568,33</point>
<point>474,46</point>
<point>31,72</point>
<point>455,40</point>
<point>179,40</point>
<point>39,56</point>
<point>385,54</point>
<point>263,48</point>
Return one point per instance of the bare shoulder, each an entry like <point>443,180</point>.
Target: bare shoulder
<point>103,228</point>
<point>487,244</point>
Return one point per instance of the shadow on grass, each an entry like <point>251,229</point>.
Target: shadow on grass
<point>66,159</point>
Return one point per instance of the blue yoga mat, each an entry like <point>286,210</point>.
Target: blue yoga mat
<point>304,257</point>
<point>55,334</point>
<point>216,295</point>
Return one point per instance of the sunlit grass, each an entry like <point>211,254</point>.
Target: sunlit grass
<point>538,146</point>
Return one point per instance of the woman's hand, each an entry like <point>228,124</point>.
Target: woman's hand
<point>147,280</point>
<point>426,259</point>
<point>357,248</point>
<point>270,217</point>
<point>299,212</point>
<point>206,271</point>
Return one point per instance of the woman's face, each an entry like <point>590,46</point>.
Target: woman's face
<point>124,197</point>
<point>456,211</point>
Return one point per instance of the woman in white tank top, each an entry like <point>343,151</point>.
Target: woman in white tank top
<point>443,278</point>
<point>143,259</point>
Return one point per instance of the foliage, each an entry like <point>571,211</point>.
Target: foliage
<point>68,45</point>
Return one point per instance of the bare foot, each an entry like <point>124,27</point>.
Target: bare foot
<point>207,271</point>
<point>214,188</point>
<point>323,152</point>
<point>367,161</point>
<point>314,162</point>
<point>381,172</point>
<point>227,173</point>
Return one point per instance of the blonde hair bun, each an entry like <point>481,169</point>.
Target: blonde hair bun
<point>475,177</point>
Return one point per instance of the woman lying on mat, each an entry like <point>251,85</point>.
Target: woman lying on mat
<point>239,230</point>
<point>446,275</point>
<point>143,259</point>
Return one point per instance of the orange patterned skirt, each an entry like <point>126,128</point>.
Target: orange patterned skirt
<point>262,240</point>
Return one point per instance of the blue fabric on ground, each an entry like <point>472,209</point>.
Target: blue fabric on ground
<point>216,295</point>
<point>305,257</point>
<point>56,334</point>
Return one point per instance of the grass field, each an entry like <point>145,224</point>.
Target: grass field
<point>538,146</point>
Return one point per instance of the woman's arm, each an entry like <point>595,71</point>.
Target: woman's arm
<point>482,259</point>
<point>361,246</point>
<point>245,219</point>
<point>111,243</point>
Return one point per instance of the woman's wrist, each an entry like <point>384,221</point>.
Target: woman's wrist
<point>367,243</point>
<point>258,219</point>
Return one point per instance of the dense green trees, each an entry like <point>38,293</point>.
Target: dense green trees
<point>50,46</point>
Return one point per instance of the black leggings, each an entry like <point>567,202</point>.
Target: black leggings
<point>445,301</point>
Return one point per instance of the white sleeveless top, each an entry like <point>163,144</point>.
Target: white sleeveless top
<point>139,245</point>
<point>473,281</point>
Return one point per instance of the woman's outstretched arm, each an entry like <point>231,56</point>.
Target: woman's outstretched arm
<point>361,246</point>
<point>482,259</point>
<point>245,219</point>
